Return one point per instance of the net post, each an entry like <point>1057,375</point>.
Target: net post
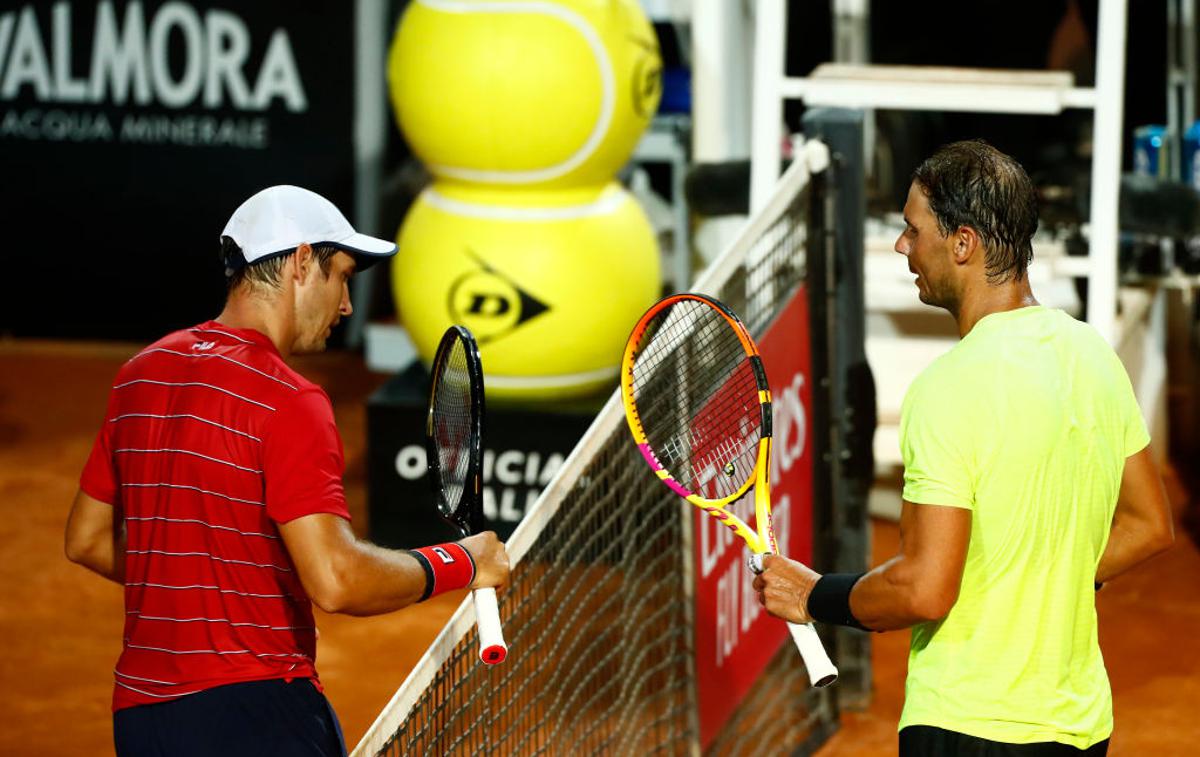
<point>851,384</point>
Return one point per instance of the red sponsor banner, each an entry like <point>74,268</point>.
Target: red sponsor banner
<point>735,638</point>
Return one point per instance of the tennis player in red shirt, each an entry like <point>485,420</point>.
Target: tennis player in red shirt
<point>213,493</point>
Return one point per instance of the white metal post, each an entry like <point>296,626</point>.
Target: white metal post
<point>1187,27</point>
<point>852,44</point>
<point>720,82</point>
<point>370,139</point>
<point>770,29</point>
<point>1106,168</point>
<point>1174,85</point>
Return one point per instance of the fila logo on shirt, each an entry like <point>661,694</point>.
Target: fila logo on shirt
<point>442,553</point>
<point>200,346</point>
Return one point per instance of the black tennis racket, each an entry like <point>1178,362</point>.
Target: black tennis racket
<point>454,446</point>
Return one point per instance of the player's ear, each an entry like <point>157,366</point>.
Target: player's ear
<point>966,244</point>
<point>303,261</point>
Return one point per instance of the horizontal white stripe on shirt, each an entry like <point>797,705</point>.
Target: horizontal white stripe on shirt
<point>156,484</point>
<point>226,358</point>
<point>210,556</point>
<point>131,450</point>
<point>146,680</point>
<point>189,416</point>
<point>218,589</point>
<point>234,337</point>
<point>164,650</point>
<point>221,620</point>
<point>200,523</point>
<point>194,383</point>
<point>172,695</point>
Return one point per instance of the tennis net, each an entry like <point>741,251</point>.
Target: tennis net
<point>599,610</point>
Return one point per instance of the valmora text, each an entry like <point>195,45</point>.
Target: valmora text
<point>130,59</point>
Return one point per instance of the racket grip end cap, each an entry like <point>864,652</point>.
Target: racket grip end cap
<point>492,649</point>
<point>821,670</point>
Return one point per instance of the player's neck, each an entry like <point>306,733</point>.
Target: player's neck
<point>264,313</point>
<point>986,299</point>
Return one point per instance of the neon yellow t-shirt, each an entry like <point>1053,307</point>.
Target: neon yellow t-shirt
<point>1026,423</point>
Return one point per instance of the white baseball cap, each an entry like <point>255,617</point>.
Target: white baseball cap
<point>279,219</point>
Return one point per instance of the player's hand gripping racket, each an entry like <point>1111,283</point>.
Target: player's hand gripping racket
<point>698,404</point>
<point>454,446</point>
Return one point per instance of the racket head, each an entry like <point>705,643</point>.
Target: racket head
<point>454,431</point>
<point>697,401</point>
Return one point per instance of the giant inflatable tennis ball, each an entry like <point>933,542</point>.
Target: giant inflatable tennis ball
<point>524,92</point>
<point>550,283</point>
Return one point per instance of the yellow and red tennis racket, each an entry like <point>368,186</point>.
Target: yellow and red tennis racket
<point>699,407</point>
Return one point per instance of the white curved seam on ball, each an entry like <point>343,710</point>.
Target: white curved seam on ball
<point>608,202</point>
<point>607,98</point>
<point>547,382</point>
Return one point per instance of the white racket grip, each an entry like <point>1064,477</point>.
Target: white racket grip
<point>821,670</point>
<point>492,648</point>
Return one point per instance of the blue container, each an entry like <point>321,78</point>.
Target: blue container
<point>1191,156</point>
<point>1150,151</point>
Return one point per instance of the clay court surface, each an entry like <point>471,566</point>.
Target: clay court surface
<point>62,625</point>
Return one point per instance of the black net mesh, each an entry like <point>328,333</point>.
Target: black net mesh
<point>598,614</point>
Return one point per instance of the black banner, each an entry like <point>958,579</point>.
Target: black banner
<point>130,131</point>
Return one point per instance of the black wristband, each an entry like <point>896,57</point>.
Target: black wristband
<point>428,573</point>
<point>829,601</point>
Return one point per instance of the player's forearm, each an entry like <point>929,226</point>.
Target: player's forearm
<point>371,580</point>
<point>104,566</point>
<point>104,557</point>
<point>1132,542</point>
<point>898,594</point>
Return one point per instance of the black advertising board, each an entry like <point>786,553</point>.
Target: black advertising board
<point>524,446</point>
<point>130,131</point>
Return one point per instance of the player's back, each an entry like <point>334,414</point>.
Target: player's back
<point>211,594</point>
<point>1027,423</point>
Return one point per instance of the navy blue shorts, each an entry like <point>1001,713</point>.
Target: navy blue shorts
<point>253,718</point>
<point>928,741</point>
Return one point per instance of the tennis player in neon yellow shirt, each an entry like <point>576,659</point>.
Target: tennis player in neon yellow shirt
<point>1027,482</point>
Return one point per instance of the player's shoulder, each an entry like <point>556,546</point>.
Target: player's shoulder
<point>1084,335</point>
<point>947,370</point>
<point>1083,345</point>
<point>946,386</point>
<point>1069,326</point>
<point>237,356</point>
<point>174,342</point>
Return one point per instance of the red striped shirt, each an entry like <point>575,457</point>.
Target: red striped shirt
<point>209,441</point>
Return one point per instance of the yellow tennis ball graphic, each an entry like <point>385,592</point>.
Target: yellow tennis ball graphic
<point>549,283</point>
<point>524,92</point>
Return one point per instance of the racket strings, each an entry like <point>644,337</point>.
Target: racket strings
<point>696,396</point>
<point>452,423</point>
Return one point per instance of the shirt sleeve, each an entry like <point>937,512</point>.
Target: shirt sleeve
<point>99,477</point>
<point>936,446</point>
<point>303,460</point>
<point>1137,437</point>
